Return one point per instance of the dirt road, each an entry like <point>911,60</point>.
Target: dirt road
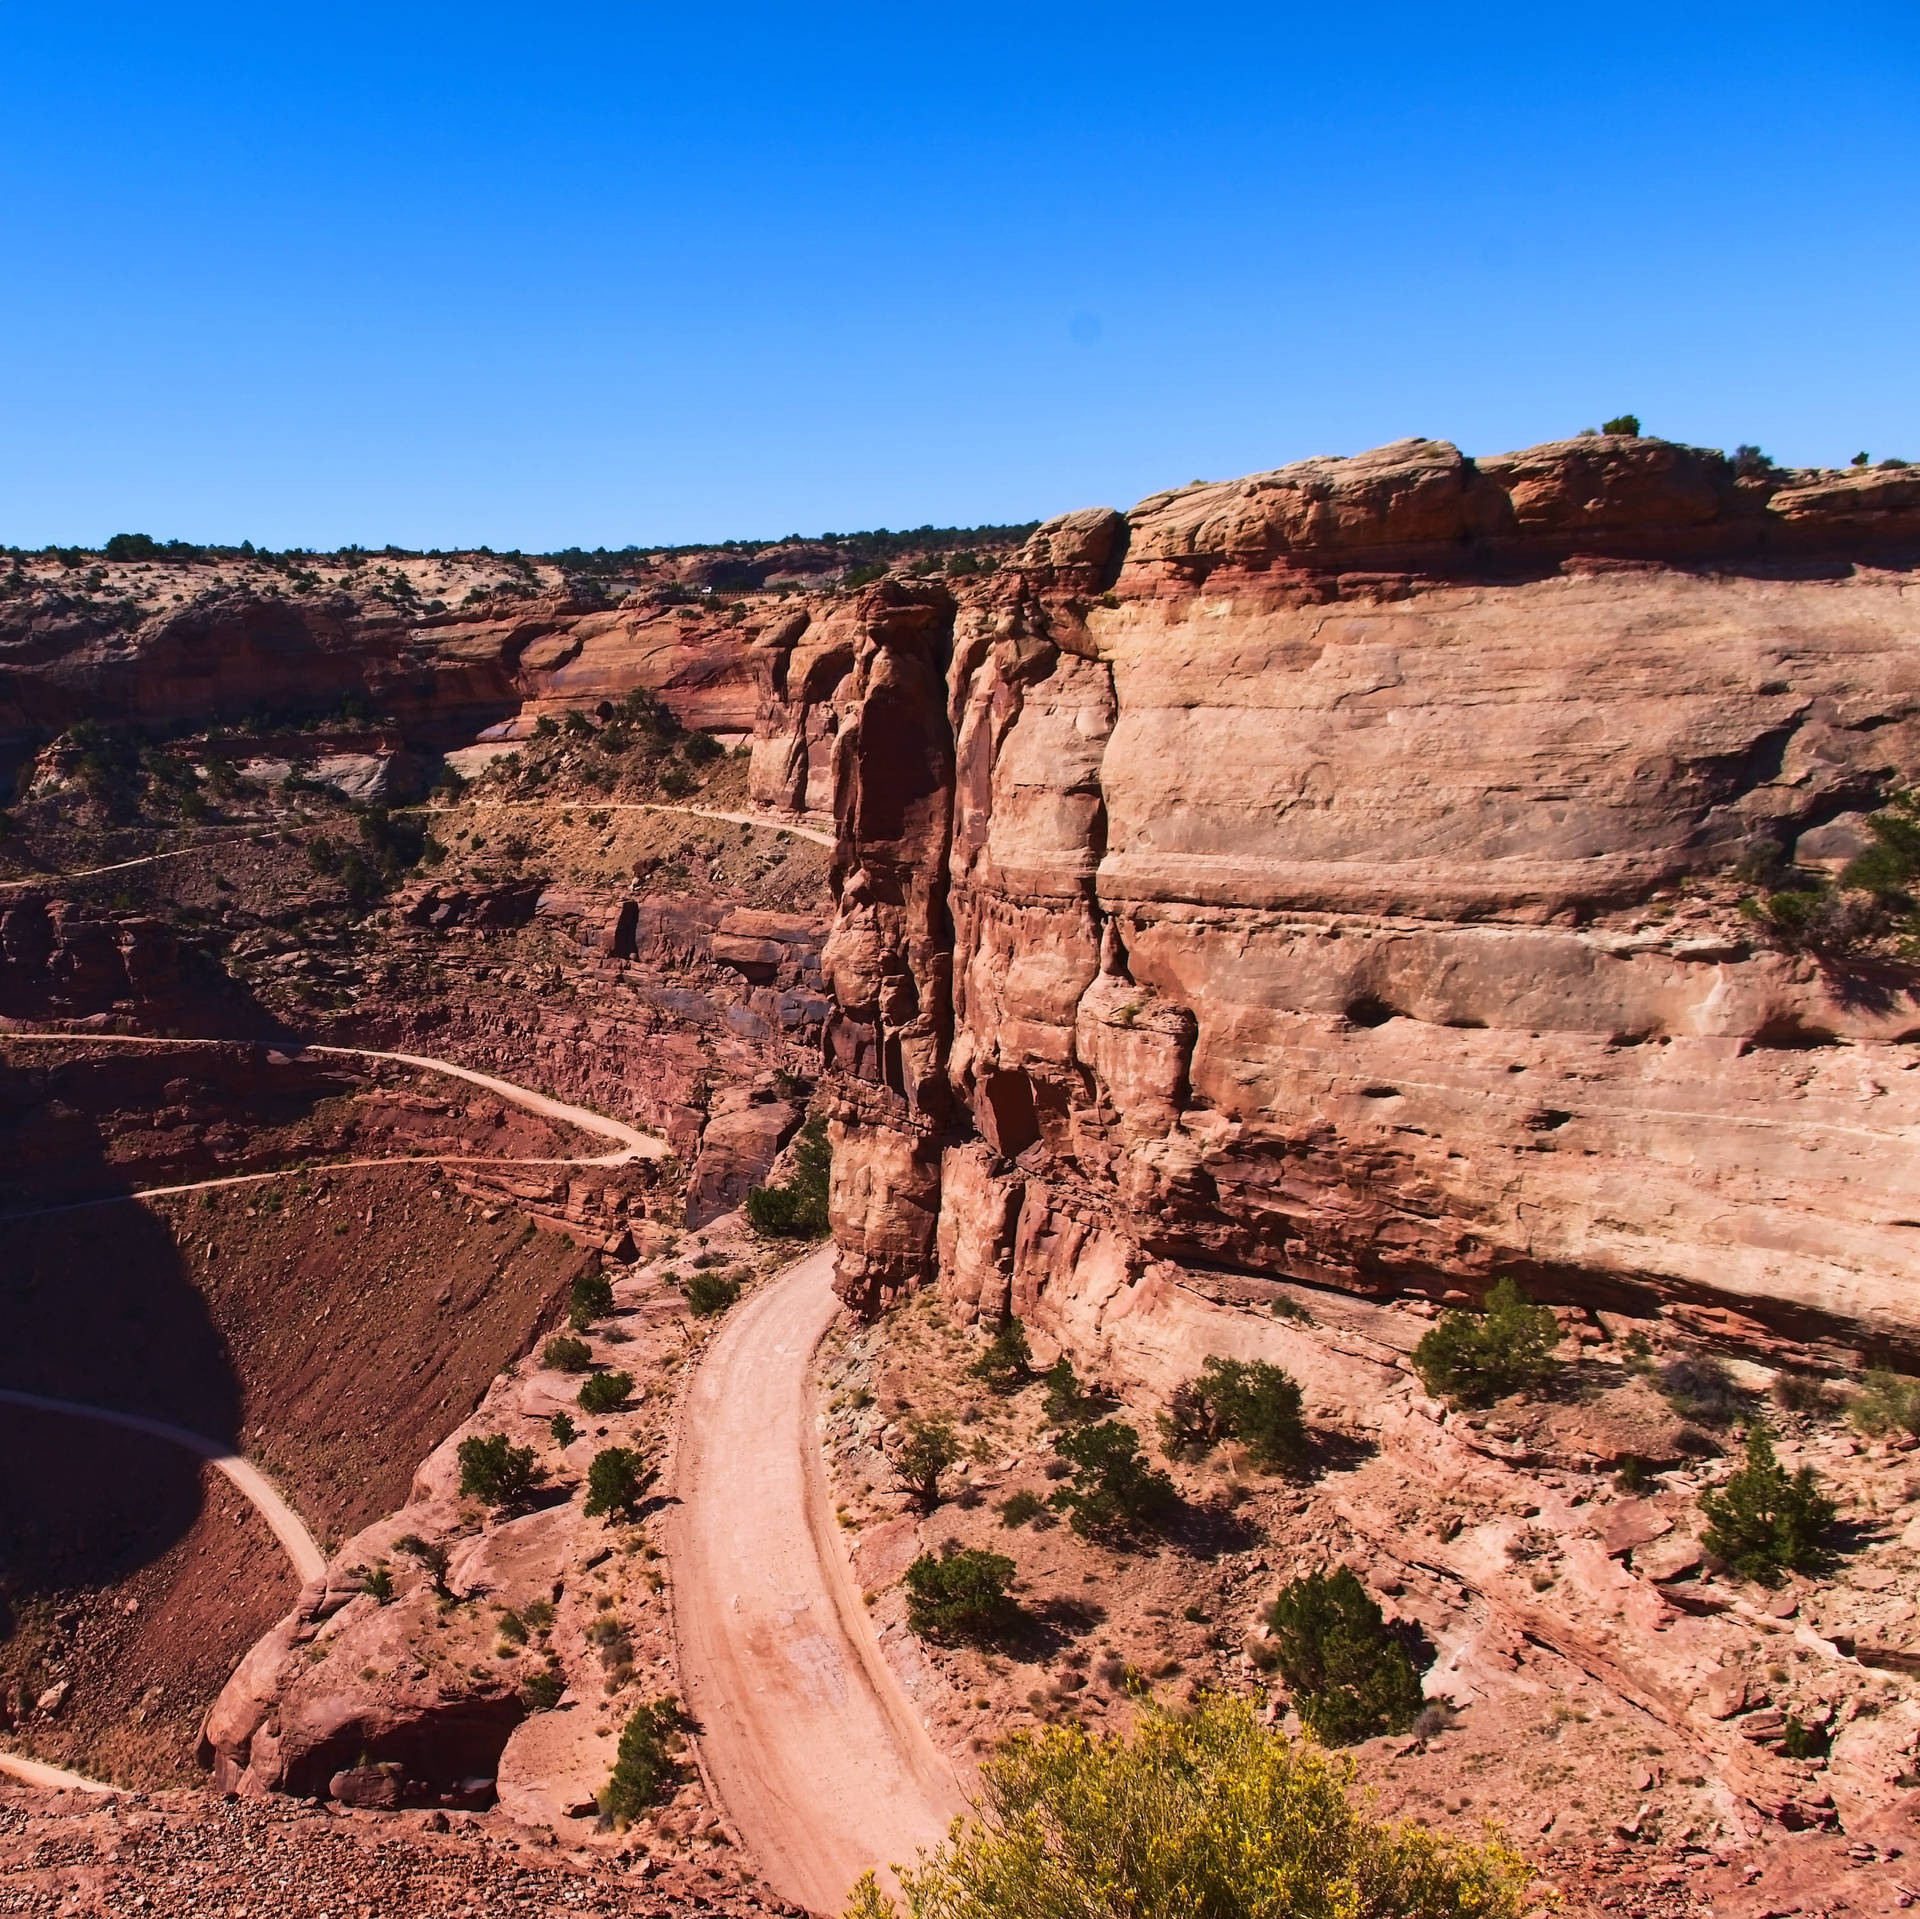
<point>308,1560</point>
<point>816,1753</point>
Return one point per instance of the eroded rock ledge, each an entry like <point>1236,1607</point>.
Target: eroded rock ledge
<point>1326,876</point>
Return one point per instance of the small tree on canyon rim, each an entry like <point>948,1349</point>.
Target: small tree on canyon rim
<point>1114,1490</point>
<point>1252,1401</point>
<point>1476,1358</point>
<point>615,1482</point>
<point>930,1449</point>
<point>496,1472</point>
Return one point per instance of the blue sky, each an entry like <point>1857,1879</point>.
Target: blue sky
<point>533,276</point>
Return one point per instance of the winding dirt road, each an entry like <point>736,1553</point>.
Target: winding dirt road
<point>815,1751</point>
<point>308,1560</point>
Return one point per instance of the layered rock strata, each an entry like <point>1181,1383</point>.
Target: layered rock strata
<point>1325,877</point>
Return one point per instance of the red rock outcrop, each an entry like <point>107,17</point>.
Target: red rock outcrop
<point>1323,876</point>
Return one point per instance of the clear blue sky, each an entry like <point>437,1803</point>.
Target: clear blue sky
<point>534,275</point>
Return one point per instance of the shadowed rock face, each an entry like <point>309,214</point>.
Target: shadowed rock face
<point>1286,880</point>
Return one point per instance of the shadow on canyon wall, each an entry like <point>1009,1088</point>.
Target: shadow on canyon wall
<point>96,1307</point>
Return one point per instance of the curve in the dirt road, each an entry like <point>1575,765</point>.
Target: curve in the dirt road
<point>248,1480</point>
<point>630,1142</point>
<point>817,1754</point>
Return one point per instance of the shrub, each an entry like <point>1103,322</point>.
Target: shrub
<point>1007,1364</point>
<point>1802,1393</point>
<point>1698,1387</point>
<point>431,1556</point>
<point>1017,1508</point>
<point>1635,1476</point>
<point>1627,423</point>
<point>566,1355</point>
<point>1350,1677</point>
<point>590,1299</point>
<point>1114,1490</point>
<point>930,1449</point>
<point>1765,1522</point>
<point>1887,1403</point>
<point>643,1768</point>
<point>377,1581</point>
<point>1063,1402</point>
<point>1252,1401</point>
<point>1816,919</point>
<point>1750,463</point>
<point>615,1482</point>
<point>709,1294</point>
<point>702,749</point>
<point>865,575</point>
<point>1199,1813</point>
<point>605,1392</point>
<point>1475,1358</point>
<point>564,1431</point>
<point>798,1208</point>
<point>495,1472</point>
<point>543,1689</point>
<point>960,1595</point>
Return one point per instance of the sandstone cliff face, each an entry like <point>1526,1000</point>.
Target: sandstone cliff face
<point>1322,876</point>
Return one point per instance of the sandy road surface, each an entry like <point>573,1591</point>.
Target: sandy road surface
<point>30,1772</point>
<point>154,859</point>
<point>816,1753</point>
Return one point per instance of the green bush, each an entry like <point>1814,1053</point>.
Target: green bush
<point>1114,1490</point>
<point>797,1209</point>
<point>1888,1402</point>
<point>1765,1521</point>
<point>1063,1402</point>
<point>1476,1358</point>
<point>1252,1401</point>
<point>1199,1815</point>
<point>543,1688</point>
<point>1349,1675</point>
<point>1627,423</point>
<point>644,1769</point>
<point>960,1595</point>
<point>377,1582</point>
<point>431,1556</point>
<point>709,1294</point>
<point>564,1431</point>
<point>929,1450</point>
<point>566,1355</point>
<point>495,1472</point>
<point>615,1482</point>
<point>591,1298</point>
<point>1007,1364</point>
<point>1017,1508</point>
<point>605,1392</point>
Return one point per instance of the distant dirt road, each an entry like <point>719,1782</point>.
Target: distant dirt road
<point>817,1755</point>
<point>308,1560</point>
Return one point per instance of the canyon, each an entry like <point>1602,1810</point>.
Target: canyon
<point>1246,925</point>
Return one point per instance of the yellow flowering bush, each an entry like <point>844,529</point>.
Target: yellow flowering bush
<point>1201,1815</point>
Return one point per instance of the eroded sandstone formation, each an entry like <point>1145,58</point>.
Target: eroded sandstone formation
<point>1327,876</point>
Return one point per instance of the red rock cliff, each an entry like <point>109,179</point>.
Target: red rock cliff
<point>1324,875</point>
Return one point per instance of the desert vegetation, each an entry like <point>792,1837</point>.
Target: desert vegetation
<point>1205,1811</point>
